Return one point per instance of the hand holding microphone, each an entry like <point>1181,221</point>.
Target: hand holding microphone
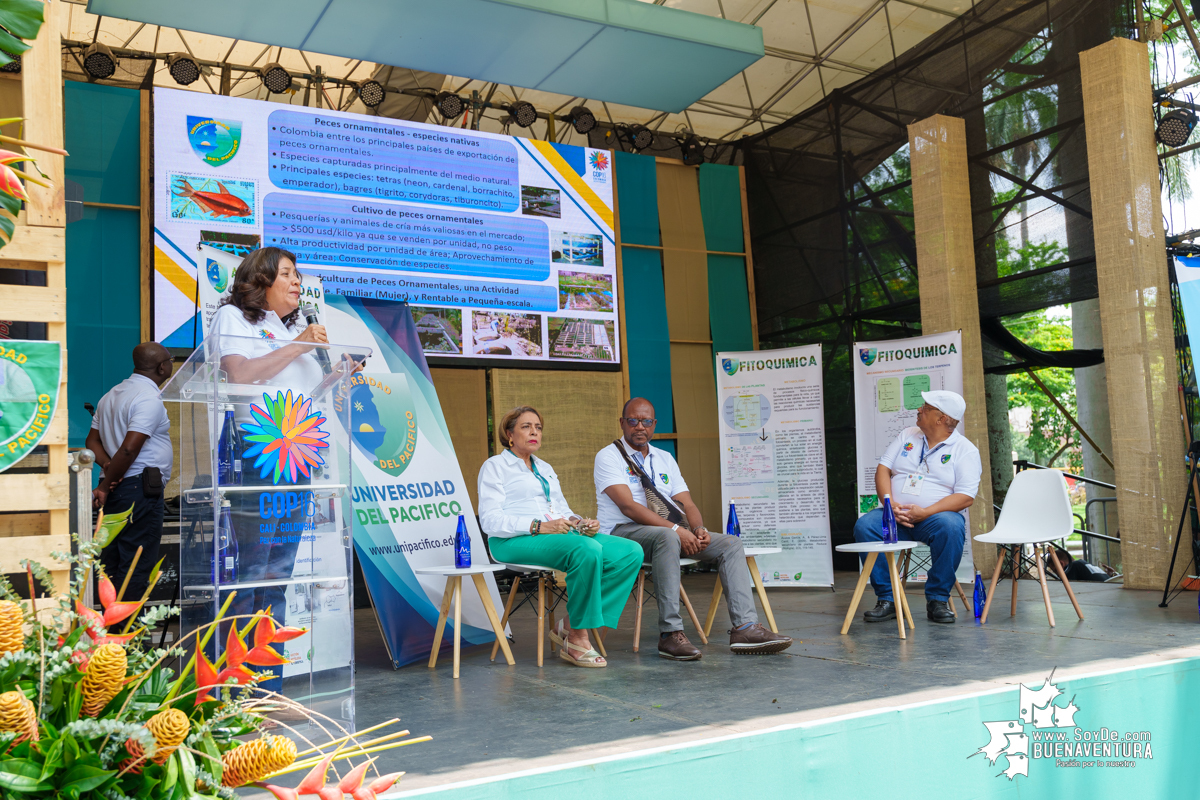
<point>310,316</point>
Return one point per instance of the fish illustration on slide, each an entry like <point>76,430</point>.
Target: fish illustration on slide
<point>218,204</point>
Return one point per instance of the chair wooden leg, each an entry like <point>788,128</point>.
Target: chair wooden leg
<point>896,587</point>
<point>508,607</point>
<point>756,576</point>
<point>597,641</point>
<point>1041,573</point>
<point>640,590</point>
<point>447,596</point>
<point>1016,574</point>
<point>991,595</point>
<point>485,597</point>
<point>692,613</point>
<point>961,596</point>
<point>541,616</point>
<point>718,590</point>
<point>907,562</point>
<point>550,614</point>
<point>457,622</point>
<point>863,578</point>
<point>1062,576</point>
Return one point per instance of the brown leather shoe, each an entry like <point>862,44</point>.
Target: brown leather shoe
<point>757,640</point>
<point>676,647</point>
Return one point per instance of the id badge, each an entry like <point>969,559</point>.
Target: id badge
<point>912,484</point>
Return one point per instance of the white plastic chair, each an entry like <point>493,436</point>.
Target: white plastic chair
<point>1036,511</point>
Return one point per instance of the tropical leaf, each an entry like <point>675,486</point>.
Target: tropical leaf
<point>112,525</point>
<point>21,775</point>
<point>11,45</point>
<point>22,18</point>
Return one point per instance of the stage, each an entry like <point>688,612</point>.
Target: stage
<point>558,725</point>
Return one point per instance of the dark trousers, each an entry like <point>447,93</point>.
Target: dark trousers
<point>144,530</point>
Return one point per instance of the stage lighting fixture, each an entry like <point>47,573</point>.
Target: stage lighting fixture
<point>582,120</point>
<point>693,151</point>
<point>183,69</point>
<point>370,91</point>
<point>640,137</point>
<point>277,79</point>
<point>449,105</point>
<point>523,113</point>
<point>1175,127</point>
<point>99,62</point>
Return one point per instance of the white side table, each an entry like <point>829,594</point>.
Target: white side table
<point>873,549</point>
<point>454,577</point>
<point>751,552</point>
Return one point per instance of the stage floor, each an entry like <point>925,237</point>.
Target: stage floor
<point>498,719</point>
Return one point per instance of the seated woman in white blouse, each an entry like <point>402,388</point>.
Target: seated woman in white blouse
<point>528,521</point>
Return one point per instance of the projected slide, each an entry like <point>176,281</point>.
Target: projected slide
<point>503,246</point>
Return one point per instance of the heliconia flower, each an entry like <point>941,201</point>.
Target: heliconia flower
<point>114,612</point>
<point>10,184</point>
<point>9,157</point>
<point>354,777</point>
<point>207,677</point>
<point>235,648</point>
<point>315,779</point>
<point>382,784</point>
<point>281,792</point>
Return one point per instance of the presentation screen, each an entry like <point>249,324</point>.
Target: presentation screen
<point>502,246</point>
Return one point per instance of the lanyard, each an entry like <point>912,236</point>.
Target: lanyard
<point>643,461</point>
<point>921,461</point>
<point>545,484</point>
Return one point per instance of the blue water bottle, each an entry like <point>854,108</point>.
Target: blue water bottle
<point>462,545</point>
<point>229,465</point>
<point>225,567</point>
<point>733,527</point>
<point>980,595</point>
<point>890,534</point>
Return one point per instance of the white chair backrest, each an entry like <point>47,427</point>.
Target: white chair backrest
<point>1036,507</point>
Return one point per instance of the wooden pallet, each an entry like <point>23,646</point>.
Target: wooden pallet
<point>39,243</point>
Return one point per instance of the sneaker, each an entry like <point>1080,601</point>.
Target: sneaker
<point>883,610</point>
<point>676,647</point>
<point>939,611</point>
<point>757,640</point>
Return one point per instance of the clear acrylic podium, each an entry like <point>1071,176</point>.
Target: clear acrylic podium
<point>264,479</point>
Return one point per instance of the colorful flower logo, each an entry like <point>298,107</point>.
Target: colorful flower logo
<point>266,334</point>
<point>286,436</point>
<point>908,446</point>
<point>598,160</point>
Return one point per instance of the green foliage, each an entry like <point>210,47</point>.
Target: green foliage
<point>1050,432</point>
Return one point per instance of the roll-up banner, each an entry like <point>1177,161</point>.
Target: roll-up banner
<point>408,488</point>
<point>888,380</point>
<point>773,460</point>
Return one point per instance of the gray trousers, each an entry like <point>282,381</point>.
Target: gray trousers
<point>661,546</point>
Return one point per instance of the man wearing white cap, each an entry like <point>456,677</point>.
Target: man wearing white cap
<point>932,473</point>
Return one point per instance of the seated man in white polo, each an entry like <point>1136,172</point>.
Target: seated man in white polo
<point>932,473</point>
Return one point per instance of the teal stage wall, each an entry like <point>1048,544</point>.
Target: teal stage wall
<point>917,751</point>
<point>103,253</point>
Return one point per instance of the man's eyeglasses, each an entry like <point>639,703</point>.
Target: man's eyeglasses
<point>633,422</point>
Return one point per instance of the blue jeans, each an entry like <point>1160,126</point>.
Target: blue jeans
<point>944,532</point>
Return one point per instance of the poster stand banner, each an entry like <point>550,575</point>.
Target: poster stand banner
<point>889,377</point>
<point>30,372</point>
<point>772,423</point>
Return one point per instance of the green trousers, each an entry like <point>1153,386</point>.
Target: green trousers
<point>600,569</point>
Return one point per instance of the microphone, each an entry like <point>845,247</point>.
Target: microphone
<point>310,316</point>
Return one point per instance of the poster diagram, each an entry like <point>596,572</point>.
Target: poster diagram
<point>773,460</point>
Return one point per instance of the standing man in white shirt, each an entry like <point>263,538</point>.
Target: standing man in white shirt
<point>623,511</point>
<point>131,437</point>
<point>932,473</point>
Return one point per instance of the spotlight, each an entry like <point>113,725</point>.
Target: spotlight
<point>370,91</point>
<point>183,69</point>
<point>640,137</point>
<point>99,62</point>
<point>523,113</point>
<point>1175,127</point>
<point>277,79</point>
<point>693,151</point>
<point>582,120</point>
<point>449,104</point>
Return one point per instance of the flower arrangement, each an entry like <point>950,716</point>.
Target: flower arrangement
<point>90,713</point>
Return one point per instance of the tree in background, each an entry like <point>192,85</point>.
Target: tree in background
<point>1052,440</point>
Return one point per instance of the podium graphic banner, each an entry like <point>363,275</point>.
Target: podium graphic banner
<point>773,460</point>
<point>30,373</point>
<point>408,488</point>
<point>888,380</point>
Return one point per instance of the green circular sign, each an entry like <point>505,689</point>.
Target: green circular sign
<point>383,421</point>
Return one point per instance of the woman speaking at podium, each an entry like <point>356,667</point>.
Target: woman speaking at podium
<point>526,517</point>
<point>257,329</point>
